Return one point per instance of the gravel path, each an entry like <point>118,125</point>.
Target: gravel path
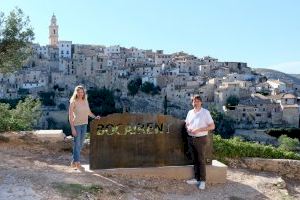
<point>30,170</point>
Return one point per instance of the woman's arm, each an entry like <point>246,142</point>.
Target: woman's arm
<point>71,118</point>
<point>92,115</point>
<point>210,127</point>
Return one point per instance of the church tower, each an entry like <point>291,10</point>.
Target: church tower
<point>53,32</point>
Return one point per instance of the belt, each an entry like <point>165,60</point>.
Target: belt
<point>197,136</point>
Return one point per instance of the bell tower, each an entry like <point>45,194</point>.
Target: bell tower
<point>53,32</point>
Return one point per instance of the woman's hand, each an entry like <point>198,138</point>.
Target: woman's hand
<point>97,117</point>
<point>74,133</point>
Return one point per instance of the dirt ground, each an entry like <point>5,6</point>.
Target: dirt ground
<point>32,170</point>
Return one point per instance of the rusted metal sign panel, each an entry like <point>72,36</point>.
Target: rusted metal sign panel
<point>139,140</point>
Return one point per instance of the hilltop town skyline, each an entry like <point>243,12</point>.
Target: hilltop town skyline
<point>249,32</point>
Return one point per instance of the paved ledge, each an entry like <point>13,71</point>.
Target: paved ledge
<point>52,135</point>
<point>215,173</point>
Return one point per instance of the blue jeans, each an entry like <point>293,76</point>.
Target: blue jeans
<point>78,141</point>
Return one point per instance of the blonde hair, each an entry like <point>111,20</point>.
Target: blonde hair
<point>75,96</point>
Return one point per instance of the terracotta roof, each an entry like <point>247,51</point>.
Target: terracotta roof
<point>289,96</point>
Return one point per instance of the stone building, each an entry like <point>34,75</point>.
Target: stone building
<point>290,110</point>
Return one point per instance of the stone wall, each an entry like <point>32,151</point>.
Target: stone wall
<point>284,167</point>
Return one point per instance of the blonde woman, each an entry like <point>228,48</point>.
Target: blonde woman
<point>79,111</point>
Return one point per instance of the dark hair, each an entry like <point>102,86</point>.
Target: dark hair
<point>197,97</point>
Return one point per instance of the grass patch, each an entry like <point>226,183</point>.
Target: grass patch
<point>72,190</point>
<point>236,148</point>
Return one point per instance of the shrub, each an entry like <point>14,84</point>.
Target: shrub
<point>149,88</point>
<point>62,106</point>
<point>47,98</point>
<point>22,117</point>
<point>224,124</point>
<point>232,101</point>
<point>102,101</point>
<point>25,115</point>
<point>236,148</point>
<point>12,102</point>
<point>287,143</point>
<point>133,86</point>
<point>290,132</point>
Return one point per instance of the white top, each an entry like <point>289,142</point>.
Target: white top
<point>200,119</point>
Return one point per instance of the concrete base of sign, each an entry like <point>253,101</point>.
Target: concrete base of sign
<point>215,173</point>
<point>49,135</point>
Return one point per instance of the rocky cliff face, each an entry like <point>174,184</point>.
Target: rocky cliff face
<point>143,103</point>
<point>273,74</point>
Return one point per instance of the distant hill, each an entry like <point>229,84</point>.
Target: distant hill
<point>273,74</point>
<point>296,75</point>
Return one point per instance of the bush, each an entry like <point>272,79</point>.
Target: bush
<point>287,143</point>
<point>12,102</point>
<point>61,89</point>
<point>290,132</point>
<point>22,117</point>
<point>224,124</point>
<point>62,106</point>
<point>236,148</point>
<point>23,92</point>
<point>102,101</point>
<point>5,116</point>
<point>232,101</point>
<point>147,87</point>
<point>47,98</point>
<point>133,86</point>
<point>25,114</point>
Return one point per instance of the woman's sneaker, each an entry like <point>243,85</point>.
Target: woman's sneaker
<point>192,181</point>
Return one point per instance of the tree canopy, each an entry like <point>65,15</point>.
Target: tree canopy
<point>232,101</point>
<point>16,36</point>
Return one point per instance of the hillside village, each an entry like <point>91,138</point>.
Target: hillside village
<point>61,65</point>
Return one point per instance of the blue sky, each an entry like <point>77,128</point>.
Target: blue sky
<point>263,33</point>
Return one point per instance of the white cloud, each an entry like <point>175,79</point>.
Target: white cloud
<point>287,67</point>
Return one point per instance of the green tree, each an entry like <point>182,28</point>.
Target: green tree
<point>55,87</point>
<point>16,36</point>
<point>147,87</point>
<point>23,92</point>
<point>102,101</point>
<point>62,106</point>
<point>47,98</point>
<point>224,124</point>
<point>133,86</point>
<point>232,101</point>
<point>165,105</point>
